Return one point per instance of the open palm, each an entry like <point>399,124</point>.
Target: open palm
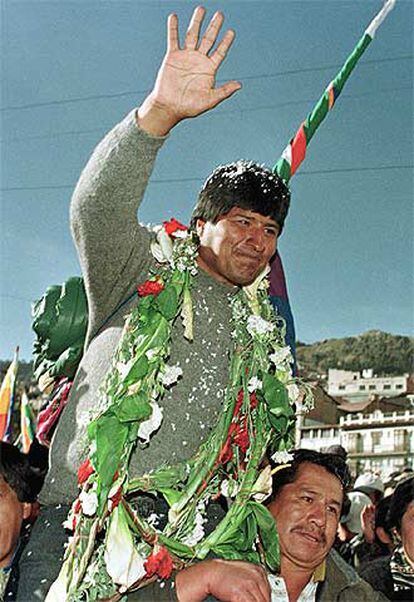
<point>185,85</point>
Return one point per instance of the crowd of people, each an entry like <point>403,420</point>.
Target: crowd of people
<point>338,541</point>
<point>326,541</point>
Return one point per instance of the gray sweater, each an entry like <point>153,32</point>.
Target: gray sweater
<point>115,257</point>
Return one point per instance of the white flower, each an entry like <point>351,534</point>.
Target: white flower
<point>263,486</point>
<point>162,248</point>
<point>293,392</point>
<point>124,368</point>
<point>258,325</point>
<point>281,355</point>
<point>89,501</point>
<point>254,384</point>
<point>170,375</point>
<point>152,424</point>
<point>229,488</point>
<point>123,563</point>
<point>282,457</point>
<point>151,353</point>
<point>198,531</point>
<point>251,290</point>
<point>153,519</point>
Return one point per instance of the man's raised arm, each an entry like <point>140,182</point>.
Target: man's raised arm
<point>185,85</point>
<point>111,245</point>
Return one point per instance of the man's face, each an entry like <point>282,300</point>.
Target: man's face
<point>12,514</point>
<point>407,532</point>
<point>238,246</point>
<point>307,513</point>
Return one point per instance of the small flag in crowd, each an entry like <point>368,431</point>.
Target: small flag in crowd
<point>7,392</point>
<point>27,423</point>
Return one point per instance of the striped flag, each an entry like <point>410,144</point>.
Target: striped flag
<point>295,152</point>
<point>27,423</point>
<point>7,391</point>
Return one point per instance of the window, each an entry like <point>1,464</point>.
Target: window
<point>399,386</point>
<point>362,387</point>
<point>386,387</point>
<point>376,438</point>
<point>341,387</point>
<point>399,439</point>
<point>372,387</point>
<point>326,433</point>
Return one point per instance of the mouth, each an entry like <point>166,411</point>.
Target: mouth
<point>311,537</point>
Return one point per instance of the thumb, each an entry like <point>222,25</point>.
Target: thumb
<point>223,92</point>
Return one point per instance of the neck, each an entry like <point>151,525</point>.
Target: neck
<point>206,268</point>
<point>295,578</point>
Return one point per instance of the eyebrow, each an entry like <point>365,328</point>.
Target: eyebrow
<point>317,493</point>
<point>268,224</point>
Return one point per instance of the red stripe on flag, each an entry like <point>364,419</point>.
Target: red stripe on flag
<point>298,149</point>
<point>331,97</point>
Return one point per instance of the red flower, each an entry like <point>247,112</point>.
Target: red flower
<point>150,287</point>
<point>77,507</point>
<point>84,471</point>
<point>172,226</point>
<point>241,438</point>
<point>253,400</point>
<point>239,402</point>
<point>159,563</point>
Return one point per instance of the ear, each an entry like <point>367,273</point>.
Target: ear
<point>27,509</point>
<point>200,223</point>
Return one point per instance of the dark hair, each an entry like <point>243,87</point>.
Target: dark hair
<point>18,474</point>
<point>400,500</point>
<point>243,184</point>
<point>330,462</point>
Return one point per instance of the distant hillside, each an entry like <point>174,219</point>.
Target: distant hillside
<point>386,354</point>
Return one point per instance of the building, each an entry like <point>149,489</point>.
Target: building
<point>357,386</point>
<point>382,442</point>
<point>378,434</point>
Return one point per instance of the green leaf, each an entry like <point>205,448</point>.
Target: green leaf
<point>171,495</point>
<point>275,392</point>
<point>268,534</point>
<point>167,302</point>
<point>229,553</point>
<point>138,370</point>
<point>134,408</point>
<point>111,436</point>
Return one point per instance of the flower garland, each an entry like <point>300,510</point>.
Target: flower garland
<point>113,548</point>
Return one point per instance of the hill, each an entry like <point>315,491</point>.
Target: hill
<point>385,353</point>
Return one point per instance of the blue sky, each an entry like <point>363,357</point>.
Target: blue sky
<point>71,70</point>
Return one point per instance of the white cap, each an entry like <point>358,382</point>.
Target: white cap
<point>353,519</point>
<point>368,482</point>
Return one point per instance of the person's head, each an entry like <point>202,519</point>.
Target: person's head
<point>307,501</point>
<point>383,534</point>
<point>238,217</point>
<point>18,490</point>
<point>351,523</point>
<point>371,485</point>
<point>401,515</point>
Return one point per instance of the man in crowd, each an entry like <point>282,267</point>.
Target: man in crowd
<point>238,217</point>
<point>306,502</point>
<point>19,486</point>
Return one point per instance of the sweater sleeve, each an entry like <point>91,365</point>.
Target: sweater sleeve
<point>112,246</point>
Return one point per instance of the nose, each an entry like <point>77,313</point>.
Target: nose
<point>256,238</point>
<point>318,515</point>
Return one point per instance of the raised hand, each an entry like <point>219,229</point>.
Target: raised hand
<point>185,84</point>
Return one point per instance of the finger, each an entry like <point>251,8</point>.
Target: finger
<point>172,33</point>
<point>224,91</point>
<point>212,31</point>
<point>193,31</point>
<point>222,49</point>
